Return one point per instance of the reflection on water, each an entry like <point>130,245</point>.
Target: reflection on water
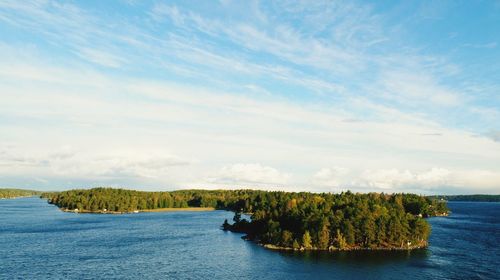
<point>374,257</point>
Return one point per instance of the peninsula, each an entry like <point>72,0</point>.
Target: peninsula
<point>8,193</point>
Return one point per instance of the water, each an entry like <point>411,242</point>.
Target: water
<point>38,241</point>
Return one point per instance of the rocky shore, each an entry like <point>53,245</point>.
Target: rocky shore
<point>409,246</point>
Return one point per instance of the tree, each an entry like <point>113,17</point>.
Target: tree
<point>314,221</point>
<point>368,229</point>
<point>324,236</point>
<point>349,232</point>
<point>422,230</point>
<point>286,238</point>
<point>237,217</point>
<point>226,225</point>
<point>394,231</point>
<point>340,240</point>
<point>306,240</point>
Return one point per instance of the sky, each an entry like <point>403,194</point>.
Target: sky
<point>323,96</point>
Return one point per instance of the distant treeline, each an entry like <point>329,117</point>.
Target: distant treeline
<point>471,197</point>
<point>121,200</point>
<point>13,193</point>
<point>292,220</point>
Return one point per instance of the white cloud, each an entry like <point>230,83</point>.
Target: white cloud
<point>179,133</point>
<point>196,123</point>
<point>115,166</point>
<point>162,11</point>
<point>490,45</point>
<point>332,177</point>
<point>391,179</point>
<point>413,88</point>
<point>483,179</point>
<point>251,174</point>
<point>398,180</point>
<point>69,163</point>
<point>385,179</point>
<point>101,57</point>
<point>433,177</point>
<point>494,134</point>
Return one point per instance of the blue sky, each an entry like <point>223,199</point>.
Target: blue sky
<point>314,95</point>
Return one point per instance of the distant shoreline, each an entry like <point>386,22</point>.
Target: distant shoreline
<point>478,201</point>
<point>10,193</point>
<point>469,197</point>
<point>16,197</point>
<point>170,209</point>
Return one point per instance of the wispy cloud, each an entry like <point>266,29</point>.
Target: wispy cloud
<point>397,180</point>
<point>252,174</point>
<point>101,57</point>
<point>182,119</point>
<point>97,165</point>
<point>495,135</point>
<point>414,89</point>
<point>490,45</point>
<point>315,95</point>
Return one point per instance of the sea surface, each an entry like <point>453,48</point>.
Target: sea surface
<point>37,241</point>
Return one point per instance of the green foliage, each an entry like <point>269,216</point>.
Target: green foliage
<point>343,220</point>
<point>13,193</point>
<point>121,200</point>
<point>340,241</point>
<point>324,236</point>
<point>306,240</point>
<point>286,238</point>
<point>307,220</point>
<point>425,206</point>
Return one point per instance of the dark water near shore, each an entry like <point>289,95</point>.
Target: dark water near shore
<point>38,241</point>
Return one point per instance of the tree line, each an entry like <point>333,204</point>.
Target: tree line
<point>122,200</point>
<point>13,193</point>
<point>339,221</point>
<point>285,219</point>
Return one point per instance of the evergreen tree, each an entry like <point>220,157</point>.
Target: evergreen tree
<point>345,220</point>
<point>340,240</point>
<point>306,240</point>
<point>286,238</point>
<point>226,225</point>
<point>324,236</point>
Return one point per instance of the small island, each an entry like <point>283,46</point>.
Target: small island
<point>346,221</point>
<point>284,220</point>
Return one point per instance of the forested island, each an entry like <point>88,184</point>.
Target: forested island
<point>15,193</point>
<point>286,220</point>
<point>470,197</point>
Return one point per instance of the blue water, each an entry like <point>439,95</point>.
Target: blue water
<point>38,241</point>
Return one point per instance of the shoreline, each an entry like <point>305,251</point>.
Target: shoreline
<point>422,245</point>
<point>16,197</point>
<point>444,214</point>
<point>171,209</point>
